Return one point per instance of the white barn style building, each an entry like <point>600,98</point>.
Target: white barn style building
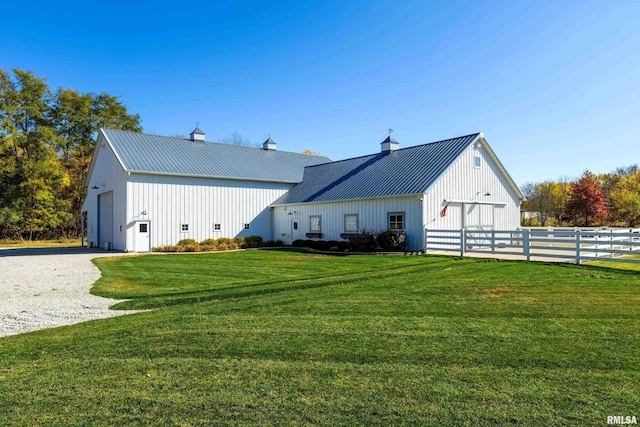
<point>148,190</point>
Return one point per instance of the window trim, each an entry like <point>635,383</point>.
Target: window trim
<point>184,228</point>
<point>311,229</point>
<point>346,230</point>
<point>404,221</point>
<point>477,161</point>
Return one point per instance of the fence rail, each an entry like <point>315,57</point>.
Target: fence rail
<point>574,245</point>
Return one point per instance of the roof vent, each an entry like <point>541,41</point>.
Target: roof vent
<point>390,144</point>
<point>197,135</point>
<point>269,144</point>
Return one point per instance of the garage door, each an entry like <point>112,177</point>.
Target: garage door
<point>105,218</point>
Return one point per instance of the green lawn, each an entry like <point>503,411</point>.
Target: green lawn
<point>284,338</point>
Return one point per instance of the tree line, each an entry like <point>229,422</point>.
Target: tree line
<point>47,140</point>
<point>611,199</point>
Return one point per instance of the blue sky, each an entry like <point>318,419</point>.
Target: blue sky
<point>554,86</point>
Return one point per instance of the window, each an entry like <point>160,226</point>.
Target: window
<point>351,223</point>
<point>477,161</point>
<point>216,227</point>
<point>247,226</point>
<point>315,225</point>
<point>143,227</point>
<point>184,227</point>
<point>396,221</point>
<point>295,225</point>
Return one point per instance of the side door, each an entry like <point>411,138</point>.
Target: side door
<point>142,238</point>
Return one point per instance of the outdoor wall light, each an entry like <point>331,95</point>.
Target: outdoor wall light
<point>95,187</point>
<point>143,213</point>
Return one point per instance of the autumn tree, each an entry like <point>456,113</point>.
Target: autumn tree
<point>546,199</point>
<point>625,198</point>
<point>586,199</point>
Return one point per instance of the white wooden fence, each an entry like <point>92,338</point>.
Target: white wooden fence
<point>573,245</point>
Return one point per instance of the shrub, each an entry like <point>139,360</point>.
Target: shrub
<point>240,241</point>
<point>167,248</point>
<point>392,241</point>
<point>364,241</point>
<point>333,245</point>
<point>254,241</point>
<point>187,242</point>
<point>270,243</point>
<point>309,244</point>
<point>320,245</point>
<point>193,247</point>
<point>298,243</point>
<point>343,246</point>
<point>279,243</point>
<point>209,245</point>
<point>225,243</point>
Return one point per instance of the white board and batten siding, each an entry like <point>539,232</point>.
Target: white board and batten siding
<point>106,205</point>
<point>167,203</point>
<point>466,182</point>
<point>373,214</point>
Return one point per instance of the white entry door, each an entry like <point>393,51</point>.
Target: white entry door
<point>296,230</point>
<point>142,239</point>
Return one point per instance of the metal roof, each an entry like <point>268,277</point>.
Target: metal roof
<point>155,154</point>
<point>409,170</point>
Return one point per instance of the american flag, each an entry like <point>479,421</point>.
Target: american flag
<point>443,212</point>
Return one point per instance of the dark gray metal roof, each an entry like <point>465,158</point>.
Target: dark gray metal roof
<point>155,154</point>
<point>409,170</point>
<point>197,131</point>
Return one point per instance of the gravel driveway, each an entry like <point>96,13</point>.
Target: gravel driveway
<point>48,287</point>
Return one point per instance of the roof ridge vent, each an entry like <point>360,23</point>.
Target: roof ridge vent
<point>197,135</point>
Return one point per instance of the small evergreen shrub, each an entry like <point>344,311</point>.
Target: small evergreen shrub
<point>269,244</point>
<point>392,241</point>
<point>279,243</point>
<point>309,244</point>
<point>298,243</point>
<point>254,241</point>
<point>364,241</point>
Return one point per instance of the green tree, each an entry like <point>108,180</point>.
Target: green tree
<point>33,178</point>
<point>46,144</point>
<point>76,119</point>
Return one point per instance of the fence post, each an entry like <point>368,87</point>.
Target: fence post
<point>526,245</point>
<point>578,261</point>
<point>493,241</point>
<point>463,241</point>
